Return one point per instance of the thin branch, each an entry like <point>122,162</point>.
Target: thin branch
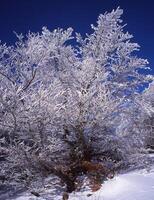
<point>30,81</point>
<point>1,73</point>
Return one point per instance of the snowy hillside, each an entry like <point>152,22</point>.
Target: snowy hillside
<point>137,185</point>
<point>131,186</point>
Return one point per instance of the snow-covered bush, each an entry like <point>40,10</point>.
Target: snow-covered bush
<point>147,105</point>
<point>61,105</point>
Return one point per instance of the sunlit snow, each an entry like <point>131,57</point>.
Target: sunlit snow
<point>131,186</point>
<point>138,185</point>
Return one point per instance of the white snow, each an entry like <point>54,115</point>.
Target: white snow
<point>137,185</point>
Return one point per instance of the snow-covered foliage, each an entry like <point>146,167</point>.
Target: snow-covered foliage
<point>147,105</point>
<point>62,104</point>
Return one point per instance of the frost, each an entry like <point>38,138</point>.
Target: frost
<point>62,105</point>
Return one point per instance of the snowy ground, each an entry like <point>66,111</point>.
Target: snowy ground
<point>138,185</point>
<point>132,186</point>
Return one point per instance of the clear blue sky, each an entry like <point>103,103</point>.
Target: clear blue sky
<point>24,15</point>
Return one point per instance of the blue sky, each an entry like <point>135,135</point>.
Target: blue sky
<point>24,15</point>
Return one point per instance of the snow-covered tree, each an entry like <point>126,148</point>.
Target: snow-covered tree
<point>147,105</point>
<point>59,103</point>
